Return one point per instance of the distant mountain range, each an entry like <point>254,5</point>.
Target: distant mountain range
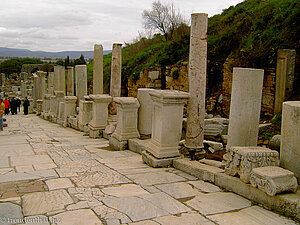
<point>14,52</point>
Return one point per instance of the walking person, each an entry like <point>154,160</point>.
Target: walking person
<point>2,109</point>
<point>7,106</point>
<point>26,104</point>
<point>13,106</point>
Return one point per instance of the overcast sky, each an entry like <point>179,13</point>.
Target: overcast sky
<point>60,25</point>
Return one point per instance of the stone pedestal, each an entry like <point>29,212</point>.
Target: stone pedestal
<point>273,180</point>
<point>290,137</point>
<point>61,113</point>
<point>285,73</point>
<point>39,103</point>
<point>30,108</point>
<point>70,105</point>
<point>245,106</point>
<point>145,111</point>
<point>52,107</point>
<point>240,160</point>
<point>100,114</point>
<point>81,81</point>
<point>46,110</point>
<point>127,109</point>
<point>59,97</point>
<point>166,123</point>
<point>98,70</point>
<point>70,81</point>
<point>197,81</point>
<point>85,115</point>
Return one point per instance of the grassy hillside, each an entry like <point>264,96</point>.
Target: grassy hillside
<point>251,31</point>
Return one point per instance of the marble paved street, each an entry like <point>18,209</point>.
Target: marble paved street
<point>55,175</point>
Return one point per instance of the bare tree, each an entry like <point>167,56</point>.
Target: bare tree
<point>164,18</point>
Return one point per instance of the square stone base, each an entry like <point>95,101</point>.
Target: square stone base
<point>83,128</point>
<point>95,133</point>
<point>117,145</point>
<point>138,145</point>
<point>155,162</point>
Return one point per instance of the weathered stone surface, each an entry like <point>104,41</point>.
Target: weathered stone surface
<point>274,143</point>
<point>219,202</point>
<point>77,217</point>
<point>184,218</point>
<point>10,213</point>
<point>111,214</point>
<point>155,178</point>
<point>273,180</point>
<point>124,190</point>
<point>167,116</point>
<point>215,127</point>
<point>204,186</point>
<point>42,202</point>
<point>254,215</point>
<point>116,69</point>
<point>145,111</point>
<point>197,81</point>
<point>70,81</point>
<point>37,220</point>
<point>241,160</point>
<point>214,163</point>
<point>98,70</point>
<point>81,81</point>
<point>199,170</point>
<point>245,106</point>
<point>290,141</point>
<point>178,190</point>
<point>155,162</point>
<point>59,183</point>
<point>30,160</point>
<point>146,206</point>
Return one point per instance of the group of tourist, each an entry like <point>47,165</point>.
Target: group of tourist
<point>13,106</point>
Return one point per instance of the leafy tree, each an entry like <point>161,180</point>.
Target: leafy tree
<point>164,18</point>
<point>80,61</point>
<point>60,62</point>
<point>15,65</point>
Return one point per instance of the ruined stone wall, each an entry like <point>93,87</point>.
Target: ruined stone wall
<point>151,78</point>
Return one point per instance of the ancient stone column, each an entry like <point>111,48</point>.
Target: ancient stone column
<point>245,106</point>
<point>98,70</point>
<point>145,111</point>
<point>61,112</point>
<point>116,68</point>
<point>56,78</point>
<point>39,103</point>
<point>51,83</point>
<point>59,97</point>
<point>70,82</point>
<point>285,73</point>
<point>85,114</point>
<point>52,106</point>
<point>35,90</point>
<point>70,105</point>
<point>46,109</point>
<point>197,81</point>
<point>23,89</point>
<point>100,114</point>
<point>30,108</point>
<point>41,86</point>
<point>81,81</point>
<point>62,79</point>
<point>127,109</point>
<point>290,137</point>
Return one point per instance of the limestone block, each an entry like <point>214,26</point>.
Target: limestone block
<point>99,113</point>
<point>81,81</point>
<point>273,180</point>
<point>245,106</point>
<point>70,81</point>
<point>39,103</point>
<point>155,162</point>
<point>116,69</point>
<point>61,111</point>
<point>145,111</point>
<point>70,105</point>
<point>117,145</point>
<point>290,141</point>
<point>46,103</point>
<point>153,75</point>
<point>98,70</point>
<point>127,108</point>
<point>240,160</point>
<point>85,112</point>
<point>166,122</point>
<point>215,127</point>
<point>274,143</point>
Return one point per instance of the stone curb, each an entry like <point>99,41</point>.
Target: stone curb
<point>287,204</point>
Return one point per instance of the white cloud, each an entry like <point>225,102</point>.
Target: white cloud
<point>57,25</point>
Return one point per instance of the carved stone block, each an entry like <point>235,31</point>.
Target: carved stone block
<point>273,180</point>
<point>240,160</point>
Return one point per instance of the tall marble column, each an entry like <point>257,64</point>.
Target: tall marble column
<point>245,106</point>
<point>285,73</point>
<point>197,81</point>
<point>70,81</point>
<point>290,137</point>
<point>81,81</point>
<point>98,70</point>
<point>116,69</point>
<point>51,83</point>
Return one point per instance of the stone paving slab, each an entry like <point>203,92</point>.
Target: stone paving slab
<point>59,183</point>
<point>124,190</point>
<point>219,202</point>
<point>10,213</point>
<point>30,160</point>
<point>4,162</point>
<point>15,150</point>
<point>185,218</point>
<point>178,190</point>
<point>254,215</point>
<point>45,202</point>
<point>204,186</point>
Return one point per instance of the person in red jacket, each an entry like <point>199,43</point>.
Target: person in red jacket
<point>7,106</point>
